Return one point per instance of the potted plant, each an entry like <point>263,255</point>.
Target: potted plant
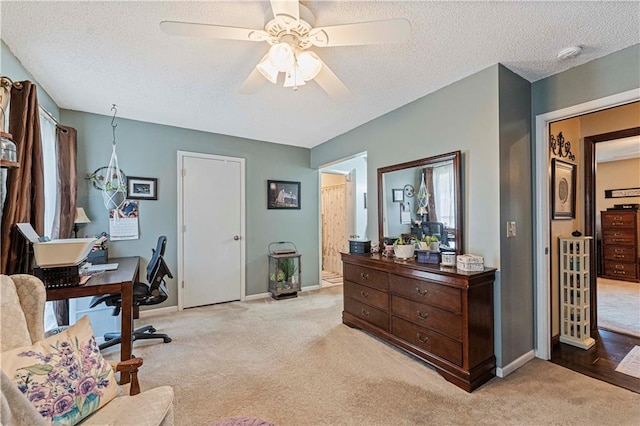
<point>404,247</point>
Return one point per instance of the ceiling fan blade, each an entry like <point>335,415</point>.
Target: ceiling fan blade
<point>252,83</point>
<point>286,11</point>
<point>376,32</point>
<point>330,83</point>
<point>189,29</point>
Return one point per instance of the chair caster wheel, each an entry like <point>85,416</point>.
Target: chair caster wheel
<point>167,339</point>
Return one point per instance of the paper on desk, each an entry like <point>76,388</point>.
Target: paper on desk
<point>103,267</point>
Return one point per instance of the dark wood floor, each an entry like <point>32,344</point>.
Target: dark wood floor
<point>601,360</point>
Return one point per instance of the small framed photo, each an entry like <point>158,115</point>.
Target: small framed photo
<point>142,188</point>
<point>398,195</point>
<point>283,194</point>
<point>563,178</point>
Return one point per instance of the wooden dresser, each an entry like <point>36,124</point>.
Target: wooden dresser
<point>441,315</point>
<point>620,237</point>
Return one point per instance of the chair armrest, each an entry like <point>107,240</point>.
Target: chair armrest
<point>130,367</point>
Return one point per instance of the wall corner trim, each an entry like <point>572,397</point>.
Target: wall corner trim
<point>513,366</point>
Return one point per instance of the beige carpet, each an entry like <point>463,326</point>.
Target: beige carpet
<point>619,306</point>
<point>630,364</point>
<point>293,362</point>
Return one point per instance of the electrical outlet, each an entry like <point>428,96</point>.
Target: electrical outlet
<point>511,229</point>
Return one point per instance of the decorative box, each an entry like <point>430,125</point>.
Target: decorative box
<point>470,263</point>
<point>359,246</point>
<point>426,256</point>
<point>98,257</point>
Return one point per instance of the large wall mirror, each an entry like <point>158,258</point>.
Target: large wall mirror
<point>422,197</point>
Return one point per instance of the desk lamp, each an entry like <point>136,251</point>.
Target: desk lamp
<point>81,217</point>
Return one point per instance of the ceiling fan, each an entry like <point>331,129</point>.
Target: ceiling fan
<point>291,34</point>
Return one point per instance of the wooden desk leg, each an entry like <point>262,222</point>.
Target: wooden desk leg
<point>127,327</point>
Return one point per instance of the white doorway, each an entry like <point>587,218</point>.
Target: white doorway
<point>211,229</point>
<point>343,213</point>
<point>542,234</point>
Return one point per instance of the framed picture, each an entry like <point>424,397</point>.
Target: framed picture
<point>563,191</point>
<point>398,195</point>
<point>283,194</point>
<point>142,188</point>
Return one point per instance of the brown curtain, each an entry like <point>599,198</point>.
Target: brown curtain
<point>25,185</point>
<point>431,207</point>
<point>67,150</point>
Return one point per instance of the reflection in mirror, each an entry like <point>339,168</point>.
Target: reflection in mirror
<point>422,198</point>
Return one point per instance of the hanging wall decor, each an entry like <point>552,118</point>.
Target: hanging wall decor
<point>561,148</point>
<point>114,185</point>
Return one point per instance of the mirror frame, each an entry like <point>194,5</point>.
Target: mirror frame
<point>456,157</point>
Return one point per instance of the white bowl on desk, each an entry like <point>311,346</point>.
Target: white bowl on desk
<point>63,252</point>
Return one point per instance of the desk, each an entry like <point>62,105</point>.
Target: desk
<point>119,281</point>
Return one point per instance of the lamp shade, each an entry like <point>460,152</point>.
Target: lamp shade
<point>309,65</point>
<point>268,71</point>
<point>81,216</point>
<point>281,56</point>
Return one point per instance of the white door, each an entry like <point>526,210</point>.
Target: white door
<point>211,227</point>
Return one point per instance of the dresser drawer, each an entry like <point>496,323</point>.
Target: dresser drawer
<point>366,313</point>
<point>428,316</point>
<point>367,295</point>
<point>619,237</point>
<point>614,220</point>
<point>614,268</point>
<point>427,340</point>
<point>426,292</point>
<point>366,276</point>
<point>620,253</point>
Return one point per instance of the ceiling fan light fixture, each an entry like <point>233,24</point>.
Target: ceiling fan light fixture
<point>294,78</point>
<point>268,71</point>
<point>309,64</point>
<point>281,56</point>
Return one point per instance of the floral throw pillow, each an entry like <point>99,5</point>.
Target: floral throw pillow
<point>64,376</point>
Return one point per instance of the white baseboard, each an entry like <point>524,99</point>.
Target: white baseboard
<point>158,311</point>
<point>257,296</point>
<point>267,295</point>
<point>505,371</point>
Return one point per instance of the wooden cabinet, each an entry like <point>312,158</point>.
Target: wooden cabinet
<point>441,315</point>
<point>620,236</point>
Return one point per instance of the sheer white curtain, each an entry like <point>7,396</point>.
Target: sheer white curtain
<point>443,189</point>
<point>48,135</point>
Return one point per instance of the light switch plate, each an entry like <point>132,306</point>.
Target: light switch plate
<point>511,229</point>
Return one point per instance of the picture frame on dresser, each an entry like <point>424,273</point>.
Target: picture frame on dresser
<point>563,189</point>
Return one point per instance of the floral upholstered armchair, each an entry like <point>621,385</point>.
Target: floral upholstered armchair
<point>63,379</point>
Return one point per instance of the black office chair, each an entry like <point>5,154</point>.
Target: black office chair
<point>143,295</point>
<point>437,229</point>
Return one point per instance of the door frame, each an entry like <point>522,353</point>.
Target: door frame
<point>542,209</point>
<point>180,225</point>
<point>590,206</point>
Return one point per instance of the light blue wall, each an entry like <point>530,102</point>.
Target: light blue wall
<point>463,116</point>
<point>516,295</point>
<point>12,68</point>
<point>150,150</point>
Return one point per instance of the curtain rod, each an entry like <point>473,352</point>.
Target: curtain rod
<point>48,114</point>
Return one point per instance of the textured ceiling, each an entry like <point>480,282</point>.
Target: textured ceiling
<point>89,55</point>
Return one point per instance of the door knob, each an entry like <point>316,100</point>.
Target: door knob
<point>235,237</point>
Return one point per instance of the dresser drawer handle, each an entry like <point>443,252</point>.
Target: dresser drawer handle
<point>365,313</point>
<point>620,272</point>
<point>618,250</point>
<point>617,234</point>
<point>421,315</point>
<point>424,339</point>
<point>617,223</point>
<point>364,294</point>
<point>421,292</point>
<point>619,266</point>
<point>618,240</point>
<point>364,276</point>
<point>619,256</point>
